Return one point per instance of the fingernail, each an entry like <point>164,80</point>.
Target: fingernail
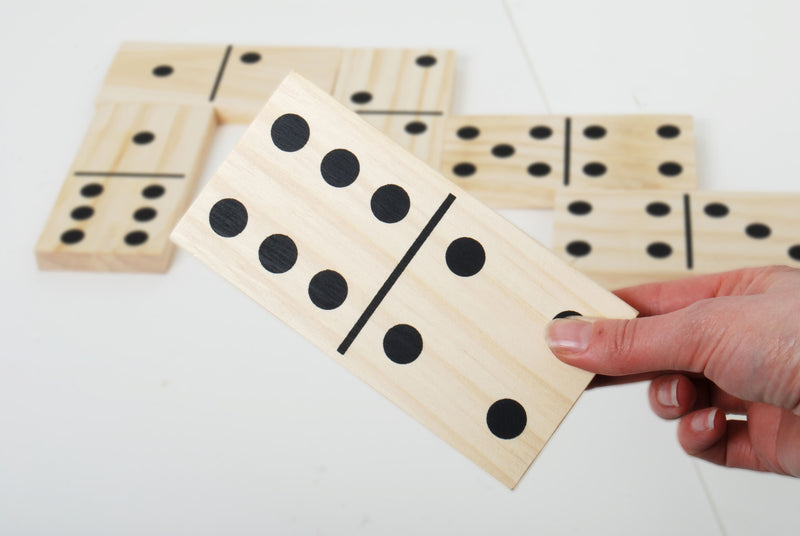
<point>704,420</point>
<point>569,335</point>
<point>667,394</point>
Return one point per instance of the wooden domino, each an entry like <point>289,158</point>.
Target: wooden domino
<point>402,277</point>
<point>623,238</point>
<point>252,73</point>
<point>159,72</point>
<point>236,79</point>
<point>521,161</point>
<point>130,182</point>
<point>404,93</point>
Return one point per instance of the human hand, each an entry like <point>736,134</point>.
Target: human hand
<point>714,345</point>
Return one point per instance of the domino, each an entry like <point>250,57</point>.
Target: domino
<point>253,73</point>
<point>236,79</point>
<point>404,93</point>
<point>131,180</point>
<point>411,89</point>
<point>623,238</point>
<point>521,161</point>
<point>406,280</point>
<point>158,72</point>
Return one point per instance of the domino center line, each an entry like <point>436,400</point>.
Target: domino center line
<point>567,135</point>
<point>399,112</point>
<point>219,73</point>
<point>129,175</point>
<point>687,228</point>
<point>395,275</point>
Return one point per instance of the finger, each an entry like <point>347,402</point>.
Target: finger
<point>675,395</point>
<point>665,297</point>
<point>672,396</point>
<point>728,403</point>
<point>707,435</point>
<point>605,381</point>
<point>600,380</point>
<point>680,341</point>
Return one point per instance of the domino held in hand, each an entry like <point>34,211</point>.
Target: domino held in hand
<point>406,280</point>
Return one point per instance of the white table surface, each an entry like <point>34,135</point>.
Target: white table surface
<point>172,404</point>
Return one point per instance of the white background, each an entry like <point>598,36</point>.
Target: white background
<point>172,404</point>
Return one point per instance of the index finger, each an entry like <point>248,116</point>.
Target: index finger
<point>661,298</point>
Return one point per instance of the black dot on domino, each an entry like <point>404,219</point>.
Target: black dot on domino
<point>154,191</point>
<point>668,132</point>
<point>83,212</point>
<point>339,168</point>
<point>143,138</point>
<point>92,190</point>
<point>290,133</point>
<point>468,132</point>
<point>579,208</point>
<point>659,250</point>
<point>579,248</point>
<point>402,344</point>
<point>250,57</point>
<point>416,127</point>
<point>658,209</point>
<point>327,290</point>
<point>465,256</point>
<point>541,132</point>
<point>794,252</point>
<point>390,203</point>
<point>136,238</point>
<point>163,70</point>
<point>503,150</point>
<point>361,97</point>
<point>227,217</point>
<point>464,169</point>
<point>594,169</point>
<point>144,214</point>
<point>539,169</point>
<point>73,236</point>
<point>716,210</point>
<point>670,169</point>
<point>426,61</point>
<point>277,253</point>
<point>567,314</point>
<point>506,418</point>
<point>594,132</point>
<point>757,230</point>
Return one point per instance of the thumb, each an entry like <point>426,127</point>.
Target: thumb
<point>625,347</point>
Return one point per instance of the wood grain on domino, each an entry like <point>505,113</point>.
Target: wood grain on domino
<point>237,79</point>
<point>252,73</point>
<point>131,180</point>
<point>623,238</point>
<point>404,93</point>
<point>161,72</point>
<point>413,285</point>
<point>521,161</point>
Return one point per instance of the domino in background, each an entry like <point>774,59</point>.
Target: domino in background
<point>404,92</point>
<point>622,238</point>
<point>521,161</point>
<point>131,180</point>
<point>402,277</point>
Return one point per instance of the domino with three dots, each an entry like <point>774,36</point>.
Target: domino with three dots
<point>404,93</point>
<point>623,238</point>
<point>521,161</point>
<point>403,278</point>
<point>236,79</point>
<point>129,183</point>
